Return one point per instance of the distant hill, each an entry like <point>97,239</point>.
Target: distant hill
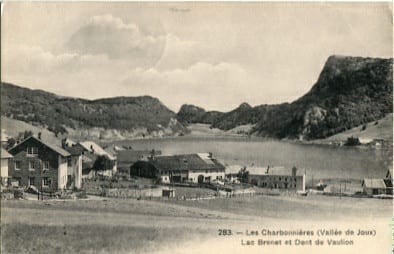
<point>350,91</point>
<point>63,114</point>
<point>192,114</point>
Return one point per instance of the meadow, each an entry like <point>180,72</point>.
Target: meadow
<point>139,226</point>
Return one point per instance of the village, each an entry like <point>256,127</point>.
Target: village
<point>36,169</point>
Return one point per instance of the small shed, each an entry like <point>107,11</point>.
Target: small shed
<point>374,186</point>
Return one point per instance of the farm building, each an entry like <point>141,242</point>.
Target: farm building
<point>126,158</point>
<point>196,168</point>
<point>374,186</point>
<point>5,158</point>
<point>278,178</point>
<point>378,186</point>
<point>39,163</point>
<point>97,160</point>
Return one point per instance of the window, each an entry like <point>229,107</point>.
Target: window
<point>45,165</point>
<point>32,151</point>
<point>69,162</point>
<point>46,181</point>
<point>17,165</point>
<point>33,165</point>
<point>32,180</point>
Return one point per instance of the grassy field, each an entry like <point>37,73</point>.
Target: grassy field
<point>13,127</point>
<point>132,226</point>
<point>382,129</point>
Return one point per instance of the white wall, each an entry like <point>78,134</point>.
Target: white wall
<point>213,174</point>
<point>4,167</point>
<point>62,174</point>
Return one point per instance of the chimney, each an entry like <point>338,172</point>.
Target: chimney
<point>268,169</point>
<point>294,171</point>
<point>39,135</point>
<point>210,155</point>
<point>64,144</point>
<point>152,154</point>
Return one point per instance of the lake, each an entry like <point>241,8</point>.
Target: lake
<point>319,161</point>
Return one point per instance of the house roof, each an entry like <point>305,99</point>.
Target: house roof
<point>110,150</point>
<point>53,147</point>
<point>5,154</point>
<point>131,156</point>
<point>96,149</point>
<point>74,150</point>
<point>374,183</point>
<point>273,171</point>
<point>388,183</point>
<point>186,162</point>
<point>389,173</point>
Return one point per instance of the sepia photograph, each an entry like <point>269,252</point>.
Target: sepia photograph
<point>196,127</point>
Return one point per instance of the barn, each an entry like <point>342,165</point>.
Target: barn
<point>193,168</point>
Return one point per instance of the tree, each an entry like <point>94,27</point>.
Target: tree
<point>243,175</point>
<point>100,163</point>
<point>352,141</point>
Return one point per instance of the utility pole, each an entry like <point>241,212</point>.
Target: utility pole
<point>340,190</point>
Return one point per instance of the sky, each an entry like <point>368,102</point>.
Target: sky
<point>214,55</point>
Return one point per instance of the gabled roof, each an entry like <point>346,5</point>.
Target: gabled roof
<point>388,183</point>
<point>389,173</point>
<point>74,150</point>
<point>5,154</point>
<point>134,155</point>
<point>53,147</point>
<point>374,183</point>
<point>96,149</point>
<point>186,162</point>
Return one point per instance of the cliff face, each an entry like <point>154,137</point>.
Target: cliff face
<point>349,91</point>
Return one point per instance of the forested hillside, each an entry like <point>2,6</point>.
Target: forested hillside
<point>349,91</point>
<point>58,113</point>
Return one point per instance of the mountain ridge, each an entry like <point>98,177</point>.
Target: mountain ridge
<point>142,115</point>
<point>348,92</point>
